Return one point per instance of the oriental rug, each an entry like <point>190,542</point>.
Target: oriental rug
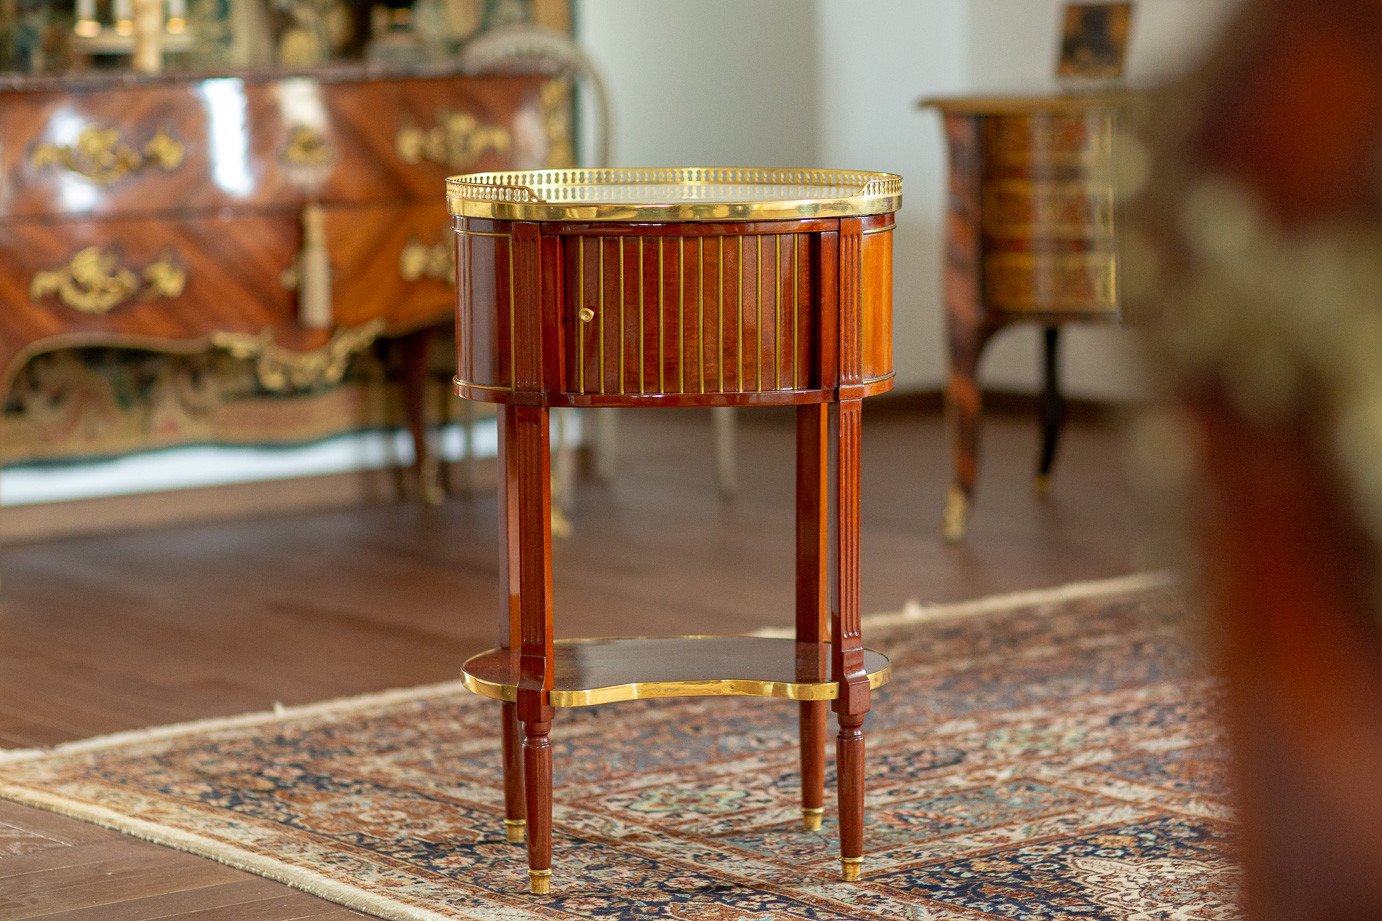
<point>1054,755</point>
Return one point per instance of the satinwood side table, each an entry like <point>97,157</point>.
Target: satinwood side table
<point>678,287</point>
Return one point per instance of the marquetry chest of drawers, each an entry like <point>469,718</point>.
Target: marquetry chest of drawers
<point>1031,236</point>
<point>292,219</point>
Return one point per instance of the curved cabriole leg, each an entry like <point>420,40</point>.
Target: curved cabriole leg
<point>1052,410</point>
<point>963,407</point>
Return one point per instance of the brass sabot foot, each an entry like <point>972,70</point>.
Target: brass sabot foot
<point>1041,484</point>
<point>540,882</point>
<point>515,830</point>
<point>956,517</point>
<point>850,867</point>
<point>811,818</point>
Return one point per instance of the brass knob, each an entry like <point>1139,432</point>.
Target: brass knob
<point>586,314</point>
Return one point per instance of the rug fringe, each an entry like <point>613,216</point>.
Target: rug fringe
<point>300,878</point>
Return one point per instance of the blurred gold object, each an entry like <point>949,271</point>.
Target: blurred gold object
<point>101,156</point>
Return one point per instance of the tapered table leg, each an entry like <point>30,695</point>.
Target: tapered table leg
<point>515,809</point>
<point>510,637</point>
<point>846,647</point>
<point>527,472</point>
<point>812,619</point>
<point>537,775</point>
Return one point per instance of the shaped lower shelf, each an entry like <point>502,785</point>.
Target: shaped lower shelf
<point>606,670</point>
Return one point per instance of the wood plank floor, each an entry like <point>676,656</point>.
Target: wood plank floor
<point>119,631</point>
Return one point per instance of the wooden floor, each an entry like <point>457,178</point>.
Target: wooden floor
<point>132,629</point>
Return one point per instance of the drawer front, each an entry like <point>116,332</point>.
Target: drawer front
<point>1044,141</point>
<point>728,313</point>
<point>1037,282</point>
<point>1048,213</point>
<point>1034,209</point>
<point>394,264</point>
<point>144,282</point>
<point>230,142</point>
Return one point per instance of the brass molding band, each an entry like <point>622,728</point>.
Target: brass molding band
<point>94,282</point>
<point>645,690</point>
<point>100,155</point>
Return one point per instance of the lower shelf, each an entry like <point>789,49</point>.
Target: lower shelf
<point>600,671</point>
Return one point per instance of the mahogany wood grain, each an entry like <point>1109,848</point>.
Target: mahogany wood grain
<point>811,596</point>
<point>679,313</point>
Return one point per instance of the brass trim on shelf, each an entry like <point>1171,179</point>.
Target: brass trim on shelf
<point>685,194</point>
<point>280,369</point>
<point>99,154</point>
<point>94,282</point>
<point>647,690</point>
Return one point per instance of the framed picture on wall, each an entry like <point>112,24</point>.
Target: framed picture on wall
<point>1094,40</point>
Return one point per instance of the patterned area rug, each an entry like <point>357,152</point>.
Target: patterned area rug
<point>1048,756</point>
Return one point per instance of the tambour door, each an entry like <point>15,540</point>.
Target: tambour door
<point>717,309</point>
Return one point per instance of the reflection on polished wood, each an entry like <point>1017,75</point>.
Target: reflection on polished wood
<point>608,670</point>
<point>162,212</point>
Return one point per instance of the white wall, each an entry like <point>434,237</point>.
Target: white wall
<point>876,60</point>
<point>707,83</point>
<point>833,83</point>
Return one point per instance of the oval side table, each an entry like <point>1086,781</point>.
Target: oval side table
<point>678,287</point>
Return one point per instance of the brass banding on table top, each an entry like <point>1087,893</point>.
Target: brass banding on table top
<point>686,194</point>
<point>599,671</point>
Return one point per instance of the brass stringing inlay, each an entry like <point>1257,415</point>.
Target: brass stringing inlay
<point>457,141</point>
<point>94,281</point>
<point>280,370</point>
<point>99,155</point>
<point>740,271</point>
